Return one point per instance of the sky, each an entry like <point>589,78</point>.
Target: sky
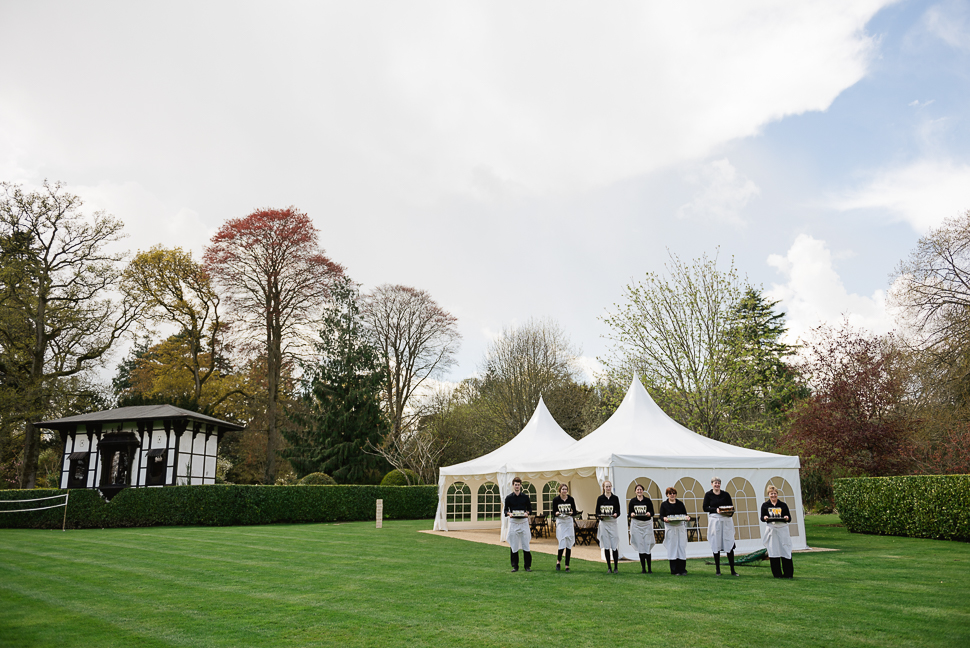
<point>515,160</point>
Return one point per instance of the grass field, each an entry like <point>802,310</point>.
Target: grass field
<point>354,585</point>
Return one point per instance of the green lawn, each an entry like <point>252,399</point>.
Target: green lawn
<point>354,585</point>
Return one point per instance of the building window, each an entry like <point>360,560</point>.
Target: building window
<point>489,502</point>
<point>77,476</point>
<point>549,493</point>
<point>459,502</point>
<point>155,472</point>
<point>530,490</point>
<point>746,509</point>
<point>691,493</point>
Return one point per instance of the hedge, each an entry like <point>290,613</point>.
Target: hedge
<point>920,506</point>
<point>220,505</point>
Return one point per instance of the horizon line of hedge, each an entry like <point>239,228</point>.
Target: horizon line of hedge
<point>219,505</point>
<point>915,506</point>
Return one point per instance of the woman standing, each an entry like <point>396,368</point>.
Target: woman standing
<point>607,510</point>
<point>641,528</point>
<point>565,508</point>
<point>675,535</point>
<point>720,528</point>
<point>776,536</point>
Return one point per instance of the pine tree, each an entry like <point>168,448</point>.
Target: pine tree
<point>342,399</point>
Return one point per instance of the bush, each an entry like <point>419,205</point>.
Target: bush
<point>397,478</point>
<point>921,506</point>
<point>317,479</point>
<point>222,505</point>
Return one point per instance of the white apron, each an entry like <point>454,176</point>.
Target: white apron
<point>565,532</point>
<point>675,540</point>
<point>720,532</point>
<point>607,534</point>
<point>641,536</point>
<point>519,534</point>
<point>777,539</point>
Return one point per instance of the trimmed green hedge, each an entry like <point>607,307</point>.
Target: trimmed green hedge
<point>920,506</point>
<point>220,505</point>
<point>397,478</point>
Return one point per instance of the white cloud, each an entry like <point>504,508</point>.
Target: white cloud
<point>813,292</point>
<point>591,368</point>
<point>950,22</point>
<point>723,195</point>
<point>419,98</point>
<point>923,193</point>
<point>148,221</point>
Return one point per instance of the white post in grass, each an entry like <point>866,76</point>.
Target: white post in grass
<point>380,513</point>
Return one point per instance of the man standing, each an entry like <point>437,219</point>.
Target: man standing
<point>518,506</point>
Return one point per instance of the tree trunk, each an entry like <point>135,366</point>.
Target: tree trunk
<point>28,475</point>
<point>273,370</point>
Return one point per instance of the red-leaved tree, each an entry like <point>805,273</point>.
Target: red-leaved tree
<point>276,279</point>
<point>855,422</point>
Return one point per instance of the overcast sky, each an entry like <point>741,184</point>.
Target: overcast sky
<point>514,159</point>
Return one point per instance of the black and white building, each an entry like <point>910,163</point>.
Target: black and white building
<point>146,445</point>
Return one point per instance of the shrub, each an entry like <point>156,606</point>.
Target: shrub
<point>919,506</point>
<point>317,479</point>
<point>222,505</point>
<point>397,478</point>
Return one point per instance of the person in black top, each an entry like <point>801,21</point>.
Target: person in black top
<point>720,528</point>
<point>777,537</point>
<point>641,530</point>
<point>564,508</point>
<point>675,533</point>
<point>607,510</point>
<point>518,502</point>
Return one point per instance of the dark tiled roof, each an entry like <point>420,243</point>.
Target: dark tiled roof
<point>137,413</point>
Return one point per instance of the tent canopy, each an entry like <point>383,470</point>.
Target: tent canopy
<point>540,437</point>
<point>640,434</point>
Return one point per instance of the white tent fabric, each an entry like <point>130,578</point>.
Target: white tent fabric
<point>540,437</point>
<point>640,440</point>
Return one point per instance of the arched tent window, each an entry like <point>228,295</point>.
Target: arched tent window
<point>459,503</point>
<point>691,492</point>
<point>549,493</point>
<point>746,509</point>
<point>785,494</point>
<point>530,490</point>
<point>489,502</point>
<point>650,489</point>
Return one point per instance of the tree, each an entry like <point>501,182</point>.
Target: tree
<point>343,398</point>
<point>674,332</point>
<point>274,274</point>
<point>522,364</point>
<point>765,386</point>
<point>855,422</point>
<point>932,287</point>
<point>416,338</point>
<point>176,290</point>
<point>62,299</point>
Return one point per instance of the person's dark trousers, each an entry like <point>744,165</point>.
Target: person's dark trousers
<point>616,560</point>
<point>568,553</point>
<point>528,559</point>
<point>775,567</point>
<point>787,568</point>
<point>515,559</point>
<point>649,566</point>
<point>608,553</point>
<point>731,562</point>
<point>643,563</point>
<point>717,563</point>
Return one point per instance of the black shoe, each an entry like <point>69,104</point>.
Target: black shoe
<point>567,568</point>
<point>557,567</point>
<point>717,573</point>
<point>515,569</point>
<point>609,569</point>
<point>735,574</point>
<point>528,569</point>
<point>643,571</point>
